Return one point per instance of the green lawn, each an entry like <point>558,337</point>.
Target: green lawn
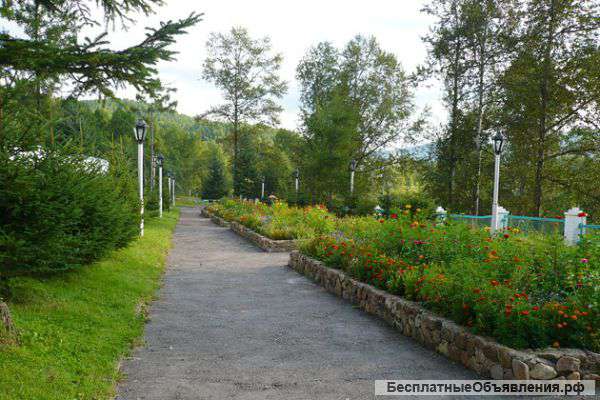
<point>76,326</point>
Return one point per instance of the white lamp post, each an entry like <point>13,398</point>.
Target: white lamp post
<point>352,170</point>
<point>262,188</point>
<point>297,177</point>
<point>498,140</point>
<point>173,190</point>
<point>169,183</point>
<point>140,136</point>
<point>160,161</point>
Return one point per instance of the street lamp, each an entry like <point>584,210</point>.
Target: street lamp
<point>352,170</point>
<point>173,190</point>
<point>140,135</point>
<point>160,161</point>
<point>262,188</point>
<point>297,177</point>
<point>168,173</point>
<point>498,142</point>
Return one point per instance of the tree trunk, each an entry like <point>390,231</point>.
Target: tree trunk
<point>480,90</point>
<point>542,129</point>
<point>8,332</point>
<point>453,126</point>
<point>236,128</point>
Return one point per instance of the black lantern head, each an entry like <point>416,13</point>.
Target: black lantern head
<point>140,131</point>
<point>297,173</point>
<point>160,160</point>
<point>353,165</point>
<point>498,143</point>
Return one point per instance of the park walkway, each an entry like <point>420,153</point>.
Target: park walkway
<point>233,322</point>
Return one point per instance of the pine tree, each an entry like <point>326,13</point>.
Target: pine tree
<point>215,184</point>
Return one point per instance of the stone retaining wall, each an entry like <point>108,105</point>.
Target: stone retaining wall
<point>482,355</point>
<point>214,218</point>
<point>269,245</point>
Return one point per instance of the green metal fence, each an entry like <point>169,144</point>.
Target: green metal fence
<point>547,226</point>
<point>589,230</point>
<point>474,221</point>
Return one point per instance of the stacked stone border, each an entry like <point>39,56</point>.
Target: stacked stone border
<point>269,245</point>
<point>482,355</point>
<point>265,243</point>
<point>214,218</point>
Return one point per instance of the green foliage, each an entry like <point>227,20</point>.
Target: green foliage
<point>407,204</point>
<point>216,184</point>
<point>51,50</point>
<point>76,327</point>
<point>356,101</point>
<point>59,213</point>
<point>246,179</point>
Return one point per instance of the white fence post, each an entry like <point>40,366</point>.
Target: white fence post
<point>441,214</point>
<point>573,219</point>
<point>503,214</point>
<point>499,219</point>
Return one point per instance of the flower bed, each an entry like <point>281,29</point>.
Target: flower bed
<point>278,221</point>
<point>525,293</point>
<point>483,355</point>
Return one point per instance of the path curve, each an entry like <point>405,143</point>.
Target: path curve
<point>233,322</point>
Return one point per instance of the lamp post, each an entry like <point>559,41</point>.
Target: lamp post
<point>168,173</point>
<point>498,141</point>
<point>262,188</point>
<point>297,178</point>
<point>352,170</point>
<point>160,161</point>
<point>140,136</point>
<point>173,191</point>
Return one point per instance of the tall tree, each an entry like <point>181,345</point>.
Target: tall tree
<point>356,102</point>
<point>247,71</point>
<point>447,44</point>
<point>215,185</point>
<point>551,84</point>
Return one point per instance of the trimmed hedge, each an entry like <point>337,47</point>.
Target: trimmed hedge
<point>59,213</point>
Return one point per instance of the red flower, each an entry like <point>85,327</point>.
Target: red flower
<point>506,236</point>
<point>394,216</point>
<point>381,221</point>
<point>494,282</point>
<point>525,312</point>
<point>535,308</point>
<point>582,215</point>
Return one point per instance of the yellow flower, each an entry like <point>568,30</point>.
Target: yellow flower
<point>408,206</point>
<point>418,210</point>
<point>405,212</point>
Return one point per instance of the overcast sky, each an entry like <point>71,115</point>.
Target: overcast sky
<point>293,26</point>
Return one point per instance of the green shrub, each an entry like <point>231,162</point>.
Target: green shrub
<point>57,213</point>
<point>407,203</point>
